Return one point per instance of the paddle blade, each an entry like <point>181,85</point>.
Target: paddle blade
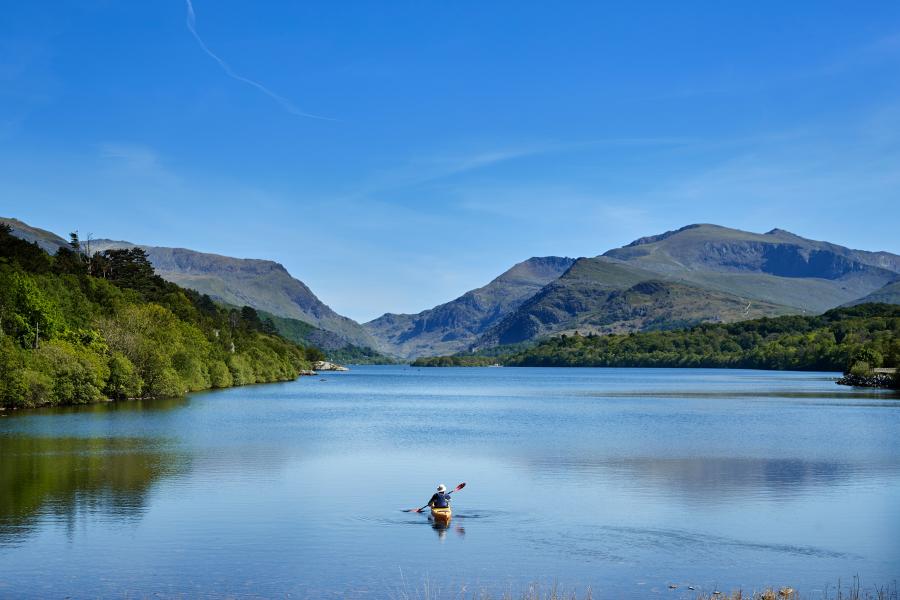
<point>460,486</point>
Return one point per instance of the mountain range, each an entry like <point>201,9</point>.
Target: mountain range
<point>453,326</point>
<point>699,273</point>
<point>265,285</point>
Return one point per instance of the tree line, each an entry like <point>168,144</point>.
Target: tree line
<point>78,328</point>
<point>859,338</point>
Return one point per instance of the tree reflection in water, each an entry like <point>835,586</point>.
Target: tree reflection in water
<point>63,478</point>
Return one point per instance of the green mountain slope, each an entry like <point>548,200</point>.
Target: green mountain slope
<point>333,347</point>
<point>455,325</point>
<point>776,267</point>
<point>833,341</point>
<point>48,241</point>
<point>699,273</point>
<point>75,330</point>
<point>889,294</point>
<point>262,284</point>
<point>265,285</point>
<point>856,339</point>
<point>602,295</point>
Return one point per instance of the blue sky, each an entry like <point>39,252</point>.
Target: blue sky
<point>395,155</point>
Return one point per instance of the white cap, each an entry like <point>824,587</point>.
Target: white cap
<point>442,488</point>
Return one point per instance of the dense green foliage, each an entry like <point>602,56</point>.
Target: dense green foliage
<point>333,347</point>
<point>833,341</point>
<point>486,357</point>
<point>77,329</point>
<point>459,360</point>
<point>864,337</point>
<point>358,355</point>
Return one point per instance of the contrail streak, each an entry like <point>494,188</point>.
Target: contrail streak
<point>284,102</point>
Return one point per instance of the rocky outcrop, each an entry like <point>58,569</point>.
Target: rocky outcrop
<point>324,365</point>
<point>874,380</point>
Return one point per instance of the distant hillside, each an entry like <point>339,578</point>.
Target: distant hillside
<point>455,325</point>
<point>833,341</point>
<point>75,330</point>
<point>889,294</point>
<point>49,242</point>
<point>699,273</point>
<point>602,295</point>
<point>334,347</point>
<point>262,284</point>
<point>265,285</point>
<point>856,339</point>
<point>777,267</point>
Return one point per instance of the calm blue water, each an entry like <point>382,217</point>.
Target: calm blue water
<point>624,480</point>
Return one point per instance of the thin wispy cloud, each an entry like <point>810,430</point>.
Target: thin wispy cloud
<point>281,100</point>
<point>422,170</point>
<point>134,156</point>
<point>880,51</point>
<point>885,49</point>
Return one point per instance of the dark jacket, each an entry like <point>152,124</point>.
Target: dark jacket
<point>439,500</point>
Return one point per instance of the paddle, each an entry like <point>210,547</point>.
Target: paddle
<point>418,510</point>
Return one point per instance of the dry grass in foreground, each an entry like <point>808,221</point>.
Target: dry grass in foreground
<point>855,591</point>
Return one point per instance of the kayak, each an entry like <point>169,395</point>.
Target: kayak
<point>441,514</point>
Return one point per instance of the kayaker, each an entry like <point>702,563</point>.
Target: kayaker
<point>440,499</point>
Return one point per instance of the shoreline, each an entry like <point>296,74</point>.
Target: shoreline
<point>875,380</point>
<point>327,366</point>
<point>853,590</point>
<point>878,381</point>
<point>16,409</point>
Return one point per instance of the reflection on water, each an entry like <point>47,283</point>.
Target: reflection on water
<point>103,408</point>
<point>62,478</point>
<point>712,479</point>
<point>889,397</point>
<point>612,478</point>
<point>441,527</point>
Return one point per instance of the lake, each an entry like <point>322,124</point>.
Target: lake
<point>624,480</point>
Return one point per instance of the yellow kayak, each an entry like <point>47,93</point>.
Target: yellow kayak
<point>441,514</point>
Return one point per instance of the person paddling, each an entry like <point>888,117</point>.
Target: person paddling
<point>440,499</point>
